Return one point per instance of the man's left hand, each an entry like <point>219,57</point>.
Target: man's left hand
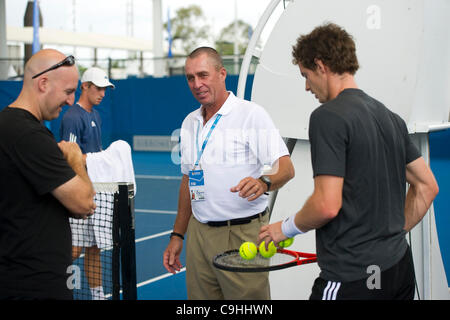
<point>250,188</point>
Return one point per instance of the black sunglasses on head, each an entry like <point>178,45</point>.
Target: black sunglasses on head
<point>68,61</point>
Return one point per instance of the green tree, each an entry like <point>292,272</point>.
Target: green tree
<point>188,28</point>
<point>227,37</point>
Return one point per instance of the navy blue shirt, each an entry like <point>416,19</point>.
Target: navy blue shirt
<point>82,127</point>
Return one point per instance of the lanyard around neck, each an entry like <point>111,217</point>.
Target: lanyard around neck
<point>200,152</point>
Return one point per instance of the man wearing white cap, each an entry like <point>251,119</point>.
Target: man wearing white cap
<point>82,124</point>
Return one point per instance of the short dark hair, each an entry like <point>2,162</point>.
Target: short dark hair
<point>329,43</point>
<point>211,52</point>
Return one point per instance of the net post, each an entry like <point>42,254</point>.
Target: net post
<point>116,250</point>
<point>127,240</point>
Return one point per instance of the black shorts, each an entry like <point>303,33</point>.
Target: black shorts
<point>395,283</point>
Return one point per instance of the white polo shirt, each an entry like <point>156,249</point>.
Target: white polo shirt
<point>243,141</point>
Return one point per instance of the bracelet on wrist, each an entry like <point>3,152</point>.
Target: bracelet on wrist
<point>176,234</point>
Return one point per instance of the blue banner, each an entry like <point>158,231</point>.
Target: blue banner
<point>36,44</point>
<point>169,31</point>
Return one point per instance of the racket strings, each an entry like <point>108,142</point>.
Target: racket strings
<point>233,259</point>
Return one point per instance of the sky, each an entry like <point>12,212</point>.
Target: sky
<point>109,16</point>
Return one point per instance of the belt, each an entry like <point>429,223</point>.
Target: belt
<point>238,221</point>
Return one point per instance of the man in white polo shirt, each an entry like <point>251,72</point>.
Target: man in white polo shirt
<point>223,197</point>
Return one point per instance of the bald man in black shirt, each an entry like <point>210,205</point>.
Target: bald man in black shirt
<point>42,184</point>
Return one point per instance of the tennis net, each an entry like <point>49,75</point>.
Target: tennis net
<point>103,246</point>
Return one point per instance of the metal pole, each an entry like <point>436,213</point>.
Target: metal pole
<point>236,40</point>
<point>4,65</point>
<point>158,39</point>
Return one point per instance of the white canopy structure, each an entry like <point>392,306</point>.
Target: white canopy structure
<point>77,39</point>
<point>84,39</point>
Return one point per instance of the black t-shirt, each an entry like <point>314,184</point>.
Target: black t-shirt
<point>356,137</point>
<point>35,236</point>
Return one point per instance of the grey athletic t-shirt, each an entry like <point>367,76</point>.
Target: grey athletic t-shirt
<point>356,137</point>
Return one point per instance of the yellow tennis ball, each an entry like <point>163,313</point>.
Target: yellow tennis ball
<point>286,243</point>
<point>248,250</point>
<point>269,252</point>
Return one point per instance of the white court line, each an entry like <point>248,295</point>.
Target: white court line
<point>148,176</point>
<point>153,236</point>
<point>163,276</point>
<point>155,211</point>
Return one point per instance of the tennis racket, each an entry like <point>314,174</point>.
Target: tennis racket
<point>232,261</point>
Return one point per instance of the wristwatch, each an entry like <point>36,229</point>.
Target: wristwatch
<point>267,181</point>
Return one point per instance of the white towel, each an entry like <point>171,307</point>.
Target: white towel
<point>112,165</point>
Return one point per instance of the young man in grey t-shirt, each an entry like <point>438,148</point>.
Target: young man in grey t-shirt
<point>362,158</point>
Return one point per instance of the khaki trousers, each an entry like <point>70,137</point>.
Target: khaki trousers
<point>206,282</point>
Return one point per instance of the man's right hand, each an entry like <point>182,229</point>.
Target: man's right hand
<point>171,256</point>
<point>71,152</point>
<point>77,194</point>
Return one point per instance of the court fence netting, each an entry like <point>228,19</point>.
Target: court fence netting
<point>103,247</point>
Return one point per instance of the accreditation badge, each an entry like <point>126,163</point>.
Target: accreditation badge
<point>196,185</point>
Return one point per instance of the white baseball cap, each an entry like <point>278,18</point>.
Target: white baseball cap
<point>97,76</point>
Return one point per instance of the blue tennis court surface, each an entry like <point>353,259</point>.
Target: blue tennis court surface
<point>157,183</point>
